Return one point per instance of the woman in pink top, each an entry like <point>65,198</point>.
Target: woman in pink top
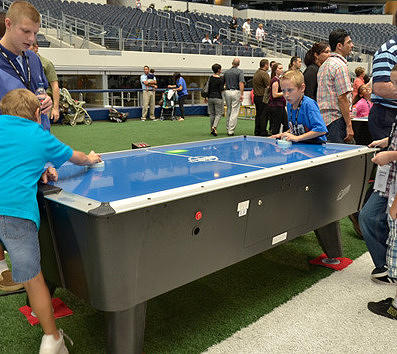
<point>362,101</point>
<point>359,80</point>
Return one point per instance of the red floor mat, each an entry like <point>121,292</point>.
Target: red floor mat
<point>60,310</point>
<point>344,262</point>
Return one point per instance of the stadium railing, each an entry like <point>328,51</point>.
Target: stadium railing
<point>124,97</point>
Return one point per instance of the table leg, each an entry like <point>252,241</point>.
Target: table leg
<point>125,330</point>
<point>329,238</point>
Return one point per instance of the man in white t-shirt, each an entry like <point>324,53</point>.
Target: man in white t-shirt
<point>246,30</point>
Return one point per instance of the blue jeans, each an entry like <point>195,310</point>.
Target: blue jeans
<point>337,131</point>
<point>374,227</point>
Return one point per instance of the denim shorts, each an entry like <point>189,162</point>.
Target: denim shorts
<point>21,241</point>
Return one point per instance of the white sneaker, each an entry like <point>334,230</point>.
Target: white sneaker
<point>49,345</point>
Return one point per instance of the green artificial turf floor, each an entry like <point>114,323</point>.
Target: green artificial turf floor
<point>193,317</point>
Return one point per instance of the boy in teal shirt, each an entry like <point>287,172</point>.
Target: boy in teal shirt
<point>25,149</point>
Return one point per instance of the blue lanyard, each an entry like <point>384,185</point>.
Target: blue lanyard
<point>296,114</point>
<point>21,77</point>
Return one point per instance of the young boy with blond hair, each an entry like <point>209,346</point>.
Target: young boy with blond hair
<point>25,149</point>
<point>304,117</point>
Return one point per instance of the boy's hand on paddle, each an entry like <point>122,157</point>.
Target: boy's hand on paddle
<point>94,158</point>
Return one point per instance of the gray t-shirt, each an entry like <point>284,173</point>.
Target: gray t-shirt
<point>233,77</point>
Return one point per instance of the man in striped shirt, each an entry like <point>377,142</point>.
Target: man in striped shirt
<point>334,89</point>
<point>384,94</point>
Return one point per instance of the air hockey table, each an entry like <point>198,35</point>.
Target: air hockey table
<point>154,219</point>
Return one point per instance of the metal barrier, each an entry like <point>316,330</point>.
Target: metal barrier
<point>203,26</point>
<point>182,19</point>
<point>137,44</point>
<point>316,37</point>
<point>278,47</point>
<point>124,97</point>
<point>164,14</point>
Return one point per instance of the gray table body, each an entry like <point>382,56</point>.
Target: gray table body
<point>118,262</point>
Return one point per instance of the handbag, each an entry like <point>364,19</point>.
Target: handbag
<point>205,89</point>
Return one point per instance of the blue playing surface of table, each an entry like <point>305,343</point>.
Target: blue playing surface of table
<point>135,173</point>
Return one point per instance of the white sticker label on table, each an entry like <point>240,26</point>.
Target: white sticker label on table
<point>382,174</point>
<point>279,238</point>
<point>242,208</point>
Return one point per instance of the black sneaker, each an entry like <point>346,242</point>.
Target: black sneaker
<point>383,308</point>
<point>379,272</point>
<point>385,280</point>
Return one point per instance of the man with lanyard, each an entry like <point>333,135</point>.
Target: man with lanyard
<point>21,68</point>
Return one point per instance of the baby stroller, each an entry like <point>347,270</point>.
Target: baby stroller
<point>73,111</point>
<point>168,104</point>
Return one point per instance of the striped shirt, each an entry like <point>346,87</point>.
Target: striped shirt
<point>333,81</point>
<point>384,60</point>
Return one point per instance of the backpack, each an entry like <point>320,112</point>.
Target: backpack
<point>205,89</point>
<point>116,116</point>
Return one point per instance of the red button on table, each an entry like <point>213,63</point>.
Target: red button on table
<point>198,215</point>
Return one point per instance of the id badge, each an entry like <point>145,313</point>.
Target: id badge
<point>382,174</point>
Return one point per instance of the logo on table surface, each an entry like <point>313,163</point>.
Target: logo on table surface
<point>343,192</point>
<point>193,159</point>
<point>180,151</point>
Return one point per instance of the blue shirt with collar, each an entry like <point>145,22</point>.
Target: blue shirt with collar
<point>9,79</point>
<point>25,149</point>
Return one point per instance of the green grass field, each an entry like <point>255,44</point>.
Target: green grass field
<point>193,317</point>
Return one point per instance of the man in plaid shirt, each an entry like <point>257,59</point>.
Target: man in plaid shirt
<point>334,89</point>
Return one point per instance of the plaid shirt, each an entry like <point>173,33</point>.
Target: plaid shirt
<point>333,81</point>
<point>393,165</point>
